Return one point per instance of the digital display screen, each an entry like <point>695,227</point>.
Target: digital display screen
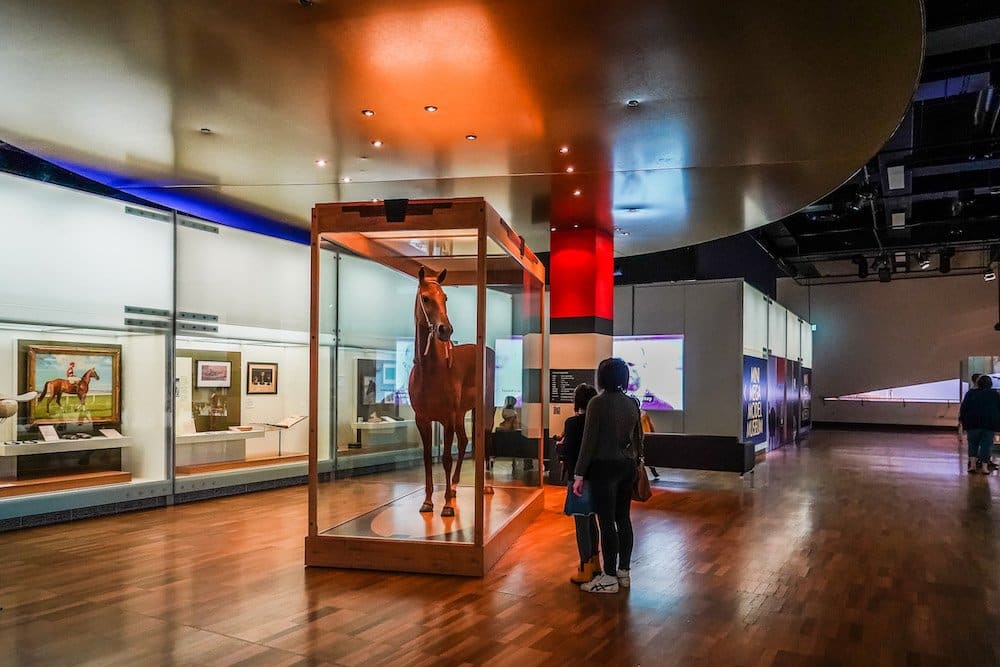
<point>656,369</point>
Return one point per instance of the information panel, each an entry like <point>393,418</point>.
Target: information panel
<point>563,382</point>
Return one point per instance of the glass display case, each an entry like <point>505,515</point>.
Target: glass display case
<point>438,343</point>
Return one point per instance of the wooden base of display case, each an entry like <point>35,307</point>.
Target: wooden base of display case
<point>427,543</point>
<point>18,487</point>
<point>249,462</point>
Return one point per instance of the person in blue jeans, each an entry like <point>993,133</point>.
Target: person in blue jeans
<point>979,415</point>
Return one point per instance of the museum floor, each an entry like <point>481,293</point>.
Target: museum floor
<point>854,549</point>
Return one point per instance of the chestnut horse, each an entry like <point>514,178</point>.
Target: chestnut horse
<point>443,384</point>
<point>56,388</point>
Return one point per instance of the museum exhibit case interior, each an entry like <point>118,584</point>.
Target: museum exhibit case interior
<point>145,354</point>
<point>434,310</point>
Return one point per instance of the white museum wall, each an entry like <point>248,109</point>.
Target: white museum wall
<point>755,321</point>
<point>709,314</point>
<point>793,336</point>
<point>292,398</point>
<point>879,335</point>
<point>777,330</point>
<point>77,259</point>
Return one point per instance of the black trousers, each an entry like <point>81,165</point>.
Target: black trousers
<point>611,486</point>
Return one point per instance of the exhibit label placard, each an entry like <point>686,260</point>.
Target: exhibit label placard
<point>563,382</point>
<point>754,400</point>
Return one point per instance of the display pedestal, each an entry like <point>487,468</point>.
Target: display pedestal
<point>215,451</point>
<point>19,487</point>
<point>427,543</point>
<point>62,464</point>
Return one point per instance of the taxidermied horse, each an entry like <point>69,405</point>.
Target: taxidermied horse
<point>56,388</point>
<point>443,384</point>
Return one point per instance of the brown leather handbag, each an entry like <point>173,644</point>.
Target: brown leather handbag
<point>641,490</point>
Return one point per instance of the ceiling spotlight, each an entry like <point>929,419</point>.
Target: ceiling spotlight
<point>925,264</point>
<point>346,179</point>
<point>576,226</point>
<point>430,108</point>
<point>633,103</point>
<point>377,143</point>
<point>471,137</point>
<point>577,192</point>
<point>321,162</point>
<point>206,130</point>
<point>632,210</point>
<point>569,170</point>
<point>564,150</point>
<point>990,275</point>
<point>367,112</point>
<point>552,229</point>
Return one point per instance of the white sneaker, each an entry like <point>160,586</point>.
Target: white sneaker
<point>624,578</point>
<point>602,583</point>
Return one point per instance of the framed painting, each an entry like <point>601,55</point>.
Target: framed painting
<point>75,383</point>
<point>213,374</point>
<point>262,378</point>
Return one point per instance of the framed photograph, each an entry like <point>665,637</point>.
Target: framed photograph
<point>213,374</point>
<point>262,378</point>
<point>75,383</point>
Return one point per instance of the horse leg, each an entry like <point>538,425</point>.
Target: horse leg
<point>449,494</point>
<point>424,428</point>
<point>463,442</point>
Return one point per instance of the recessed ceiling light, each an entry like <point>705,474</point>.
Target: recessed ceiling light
<point>206,130</point>
<point>633,103</point>
<point>577,193</point>
<point>569,170</point>
<point>367,112</point>
<point>346,179</point>
<point>552,229</point>
<point>564,150</point>
<point>430,108</point>
<point>576,226</point>
<point>321,162</point>
<point>377,143</point>
<point>374,200</point>
<point>471,137</point>
<point>631,210</point>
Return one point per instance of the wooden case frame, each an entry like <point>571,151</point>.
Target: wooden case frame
<point>346,225</point>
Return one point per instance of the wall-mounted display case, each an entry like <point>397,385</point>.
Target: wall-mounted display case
<point>434,311</point>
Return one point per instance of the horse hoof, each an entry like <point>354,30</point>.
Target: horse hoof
<point>448,510</point>
<point>427,507</point>
<point>487,490</point>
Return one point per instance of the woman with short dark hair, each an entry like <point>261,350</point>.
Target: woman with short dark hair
<point>609,454</point>
<point>587,537</point>
<point>979,415</point>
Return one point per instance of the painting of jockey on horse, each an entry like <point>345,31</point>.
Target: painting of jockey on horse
<point>74,384</point>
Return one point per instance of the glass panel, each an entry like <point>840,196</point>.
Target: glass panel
<point>382,313</point>
<point>82,380</point>
<point>793,336</point>
<point>242,354</point>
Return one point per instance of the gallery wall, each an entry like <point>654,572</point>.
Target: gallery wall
<point>708,315</point>
<point>879,335</point>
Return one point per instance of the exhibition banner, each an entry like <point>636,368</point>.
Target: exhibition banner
<point>806,392</point>
<point>754,400</point>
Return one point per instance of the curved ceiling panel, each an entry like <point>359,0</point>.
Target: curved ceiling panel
<point>742,112</point>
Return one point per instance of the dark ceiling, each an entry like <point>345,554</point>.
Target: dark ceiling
<point>929,201</point>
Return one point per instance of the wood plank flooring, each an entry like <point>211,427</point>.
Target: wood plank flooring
<point>853,549</point>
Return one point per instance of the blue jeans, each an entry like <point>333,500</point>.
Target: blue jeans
<point>980,443</point>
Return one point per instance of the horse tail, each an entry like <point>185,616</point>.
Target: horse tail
<point>45,388</point>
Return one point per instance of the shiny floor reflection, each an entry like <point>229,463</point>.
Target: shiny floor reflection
<point>852,549</point>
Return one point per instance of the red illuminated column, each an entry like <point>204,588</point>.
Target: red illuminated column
<point>581,276</point>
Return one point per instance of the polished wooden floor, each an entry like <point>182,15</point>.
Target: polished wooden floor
<point>854,549</point>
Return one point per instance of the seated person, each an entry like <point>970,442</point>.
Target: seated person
<point>511,418</point>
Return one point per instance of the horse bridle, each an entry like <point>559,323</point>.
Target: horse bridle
<point>430,329</point>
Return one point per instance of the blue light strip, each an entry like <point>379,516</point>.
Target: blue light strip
<point>213,209</point>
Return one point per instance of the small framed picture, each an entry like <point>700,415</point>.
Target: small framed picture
<point>214,374</point>
<point>262,378</point>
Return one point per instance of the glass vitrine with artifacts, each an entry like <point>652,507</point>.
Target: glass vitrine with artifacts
<point>434,311</point>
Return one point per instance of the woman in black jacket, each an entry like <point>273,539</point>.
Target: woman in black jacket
<point>587,538</point>
<point>609,454</point>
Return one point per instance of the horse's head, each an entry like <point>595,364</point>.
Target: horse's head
<point>431,307</point>
<point>93,373</point>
